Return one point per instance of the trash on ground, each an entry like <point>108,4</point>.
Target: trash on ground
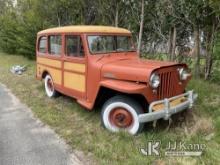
<point>17,69</point>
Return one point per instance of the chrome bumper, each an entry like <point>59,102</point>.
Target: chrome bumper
<point>168,111</point>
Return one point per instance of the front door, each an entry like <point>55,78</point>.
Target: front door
<point>74,67</point>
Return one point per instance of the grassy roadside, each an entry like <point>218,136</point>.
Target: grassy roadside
<point>82,131</point>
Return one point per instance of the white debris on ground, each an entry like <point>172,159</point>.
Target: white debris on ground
<point>17,69</point>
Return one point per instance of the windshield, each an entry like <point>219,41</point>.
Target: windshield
<point>107,44</point>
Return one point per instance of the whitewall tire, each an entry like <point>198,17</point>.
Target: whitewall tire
<point>121,113</point>
<point>49,86</point>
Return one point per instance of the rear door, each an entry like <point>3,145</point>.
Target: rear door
<point>49,55</point>
<point>74,66</point>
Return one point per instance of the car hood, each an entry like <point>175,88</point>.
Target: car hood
<point>138,70</point>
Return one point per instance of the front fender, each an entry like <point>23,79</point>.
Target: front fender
<point>124,86</point>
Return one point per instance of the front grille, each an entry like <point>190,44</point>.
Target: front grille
<point>168,82</point>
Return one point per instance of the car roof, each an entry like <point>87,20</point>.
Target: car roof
<point>85,29</point>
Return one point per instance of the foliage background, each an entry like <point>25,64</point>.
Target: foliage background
<point>176,28</point>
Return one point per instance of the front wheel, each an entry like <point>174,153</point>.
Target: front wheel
<point>121,113</point>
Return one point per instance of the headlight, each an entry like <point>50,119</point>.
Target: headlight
<point>183,73</point>
<point>154,80</point>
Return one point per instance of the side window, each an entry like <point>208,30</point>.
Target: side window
<point>55,44</point>
<point>74,46</point>
<point>42,45</point>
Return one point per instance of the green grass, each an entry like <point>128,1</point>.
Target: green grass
<point>82,129</point>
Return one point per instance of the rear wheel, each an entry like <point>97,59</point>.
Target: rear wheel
<point>121,113</point>
<point>49,86</point>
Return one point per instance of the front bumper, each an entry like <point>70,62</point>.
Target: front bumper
<point>168,110</point>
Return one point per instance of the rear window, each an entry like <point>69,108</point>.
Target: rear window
<point>42,44</point>
<point>55,44</point>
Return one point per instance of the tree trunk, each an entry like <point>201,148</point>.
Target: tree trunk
<point>169,50</point>
<point>173,44</point>
<point>141,28</point>
<point>209,51</point>
<point>197,51</point>
<point>209,63</point>
<point>58,19</point>
<point>116,15</point>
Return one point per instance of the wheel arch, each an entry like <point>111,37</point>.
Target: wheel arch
<point>44,73</point>
<point>105,93</point>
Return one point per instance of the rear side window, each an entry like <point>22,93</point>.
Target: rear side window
<point>55,44</point>
<point>74,46</point>
<point>42,45</point>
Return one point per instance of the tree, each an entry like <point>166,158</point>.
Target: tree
<point>191,12</point>
<point>112,12</point>
<point>168,26</point>
<point>8,28</point>
<point>141,27</point>
<point>212,26</point>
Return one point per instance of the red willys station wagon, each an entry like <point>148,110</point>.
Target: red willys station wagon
<point>99,64</point>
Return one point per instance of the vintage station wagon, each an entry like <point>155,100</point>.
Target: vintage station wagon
<point>99,65</point>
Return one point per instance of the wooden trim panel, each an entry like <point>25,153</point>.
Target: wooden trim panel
<point>74,81</point>
<point>49,62</point>
<point>76,67</point>
<point>56,74</point>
